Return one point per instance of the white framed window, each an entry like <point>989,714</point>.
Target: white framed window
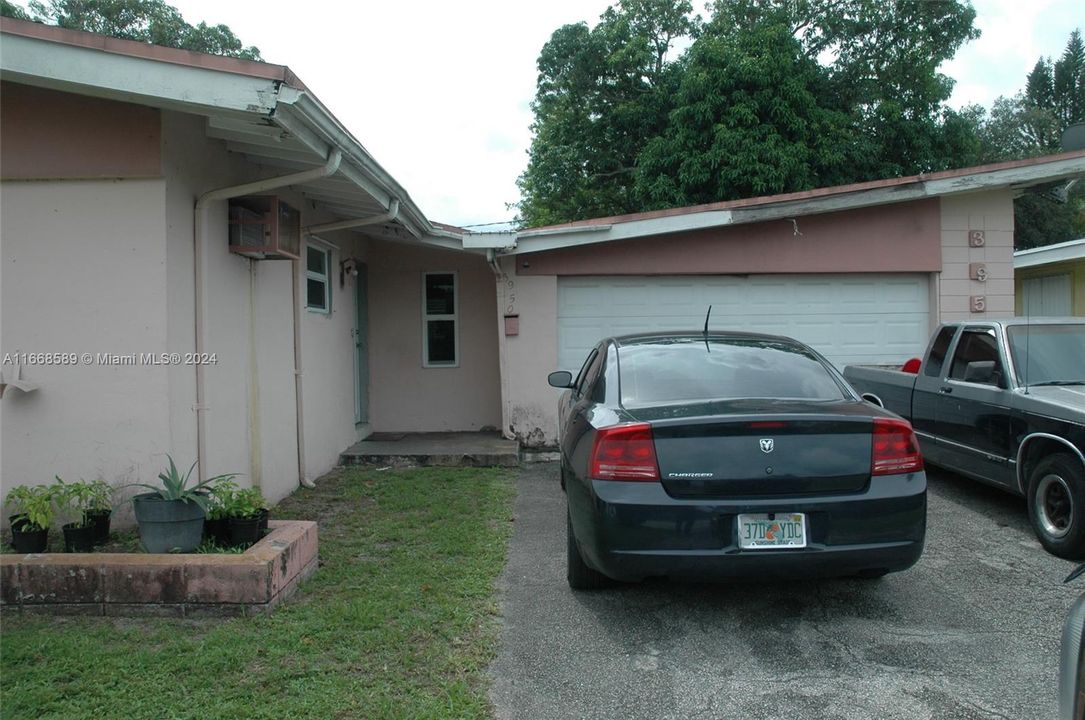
<point>318,286</point>
<point>440,320</point>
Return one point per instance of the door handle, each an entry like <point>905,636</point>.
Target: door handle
<point>945,390</point>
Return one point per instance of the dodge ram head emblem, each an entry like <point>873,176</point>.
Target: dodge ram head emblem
<point>767,444</point>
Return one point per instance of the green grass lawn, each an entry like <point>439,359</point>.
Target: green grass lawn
<point>399,622</point>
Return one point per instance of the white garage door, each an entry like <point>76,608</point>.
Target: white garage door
<point>868,318</point>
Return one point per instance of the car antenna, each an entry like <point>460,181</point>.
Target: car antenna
<point>707,315</point>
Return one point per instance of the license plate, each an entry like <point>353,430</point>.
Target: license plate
<point>767,531</point>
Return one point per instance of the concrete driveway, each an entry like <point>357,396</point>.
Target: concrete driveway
<point>972,631</point>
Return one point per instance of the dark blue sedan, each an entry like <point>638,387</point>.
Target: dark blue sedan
<point>714,455</point>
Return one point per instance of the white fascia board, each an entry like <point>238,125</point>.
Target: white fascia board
<point>1017,177</point>
<point>489,240</point>
<point>540,240</point>
<point>303,115</point>
<point>88,71</point>
<point>1050,254</point>
<point>448,243</point>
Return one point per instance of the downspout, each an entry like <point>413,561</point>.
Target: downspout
<point>502,352</point>
<point>392,214</point>
<point>199,232</point>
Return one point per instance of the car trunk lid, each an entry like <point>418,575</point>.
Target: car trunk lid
<point>760,447</point>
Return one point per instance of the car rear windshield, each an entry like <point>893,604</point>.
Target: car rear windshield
<point>1048,353</point>
<point>689,369</point>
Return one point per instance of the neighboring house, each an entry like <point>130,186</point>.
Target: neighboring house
<point>128,168</point>
<point>1050,280</point>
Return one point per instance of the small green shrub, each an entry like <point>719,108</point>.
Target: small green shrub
<point>36,503</point>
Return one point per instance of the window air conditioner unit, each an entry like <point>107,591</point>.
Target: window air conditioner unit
<point>263,227</point>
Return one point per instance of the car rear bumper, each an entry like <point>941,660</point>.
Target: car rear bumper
<point>630,531</point>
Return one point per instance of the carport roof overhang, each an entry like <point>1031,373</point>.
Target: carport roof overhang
<point>1017,175</point>
<point>258,110</point>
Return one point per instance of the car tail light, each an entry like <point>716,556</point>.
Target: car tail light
<point>624,452</point>
<point>767,425</point>
<point>895,448</point>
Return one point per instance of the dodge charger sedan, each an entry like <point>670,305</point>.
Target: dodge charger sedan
<point>713,455</point>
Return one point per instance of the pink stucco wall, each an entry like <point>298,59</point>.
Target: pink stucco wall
<point>992,213</point>
<point>83,268</point>
<point>403,394</point>
<point>55,135</point>
<point>888,238</point>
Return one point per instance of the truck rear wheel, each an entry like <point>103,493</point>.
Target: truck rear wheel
<point>1056,505</point>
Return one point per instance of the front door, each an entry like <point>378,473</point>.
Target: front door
<point>361,346</point>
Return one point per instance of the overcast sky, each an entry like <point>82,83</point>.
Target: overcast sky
<point>439,92</point>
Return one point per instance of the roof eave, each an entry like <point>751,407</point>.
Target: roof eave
<point>1011,178</point>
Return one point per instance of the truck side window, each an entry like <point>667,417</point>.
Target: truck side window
<point>938,352</point>
<point>976,359</point>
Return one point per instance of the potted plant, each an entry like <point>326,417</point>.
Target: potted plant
<point>244,513</point>
<point>215,527</point>
<point>100,509</point>
<point>73,501</point>
<point>30,525</point>
<point>171,516</point>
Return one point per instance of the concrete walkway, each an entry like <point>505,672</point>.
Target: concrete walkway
<point>453,449</point>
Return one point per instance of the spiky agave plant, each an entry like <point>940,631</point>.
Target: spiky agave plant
<point>175,485</point>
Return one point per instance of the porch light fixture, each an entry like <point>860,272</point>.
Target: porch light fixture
<point>349,266</point>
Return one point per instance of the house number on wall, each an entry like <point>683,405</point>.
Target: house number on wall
<point>510,295</point>
<point>976,238</point>
<point>978,271</point>
<point>977,303</point>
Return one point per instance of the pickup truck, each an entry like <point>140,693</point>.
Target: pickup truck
<point>1002,402</point>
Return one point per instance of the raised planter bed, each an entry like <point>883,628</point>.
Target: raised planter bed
<point>163,585</point>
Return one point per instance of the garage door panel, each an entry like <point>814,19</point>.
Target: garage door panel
<point>848,318</point>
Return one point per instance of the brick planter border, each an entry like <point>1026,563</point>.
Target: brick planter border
<point>163,585</point>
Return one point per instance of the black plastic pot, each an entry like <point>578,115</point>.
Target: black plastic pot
<point>17,520</point>
<point>244,530</point>
<point>263,519</point>
<point>99,520</point>
<point>34,541</point>
<point>78,538</point>
<point>217,530</point>
<point>168,525</point>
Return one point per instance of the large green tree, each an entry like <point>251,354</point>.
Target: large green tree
<point>149,21</point>
<point>1030,124</point>
<point>601,92</point>
<point>750,118</point>
<point>882,58</point>
<point>770,95</point>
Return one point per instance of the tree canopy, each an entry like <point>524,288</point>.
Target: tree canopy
<point>601,92</point>
<point>1030,124</point>
<point>768,96</point>
<point>749,118</point>
<point>149,21</point>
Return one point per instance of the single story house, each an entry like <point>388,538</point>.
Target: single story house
<point>1050,280</point>
<point>198,259</point>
